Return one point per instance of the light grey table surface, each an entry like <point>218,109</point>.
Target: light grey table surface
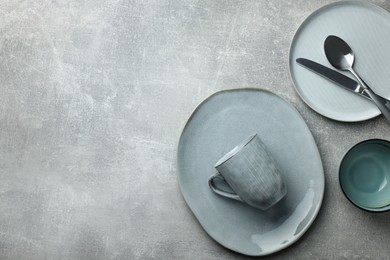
<point>93,98</point>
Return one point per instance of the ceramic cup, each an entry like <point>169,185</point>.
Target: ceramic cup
<point>251,173</point>
<point>364,175</point>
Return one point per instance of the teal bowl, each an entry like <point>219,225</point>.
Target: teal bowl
<point>364,175</point>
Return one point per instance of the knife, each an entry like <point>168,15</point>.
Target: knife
<point>334,76</point>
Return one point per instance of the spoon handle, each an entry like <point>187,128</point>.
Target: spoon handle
<point>382,103</point>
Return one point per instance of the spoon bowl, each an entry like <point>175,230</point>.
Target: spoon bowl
<point>339,53</point>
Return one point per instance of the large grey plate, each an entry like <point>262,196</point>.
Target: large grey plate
<point>366,28</point>
<point>216,126</point>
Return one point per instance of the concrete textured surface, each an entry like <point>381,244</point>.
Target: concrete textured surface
<point>93,98</point>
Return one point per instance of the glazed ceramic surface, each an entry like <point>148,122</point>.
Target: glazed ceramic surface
<point>365,175</point>
<point>366,28</point>
<point>221,122</point>
<point>251,173</point>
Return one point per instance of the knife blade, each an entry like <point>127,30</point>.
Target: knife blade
<point>334,76</point>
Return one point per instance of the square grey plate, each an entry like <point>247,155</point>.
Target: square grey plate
<point>216,126</point>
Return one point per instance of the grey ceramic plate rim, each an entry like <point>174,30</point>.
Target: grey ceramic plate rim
<point>319,204</point>
<point>317,11</point>
<point>374,210</point>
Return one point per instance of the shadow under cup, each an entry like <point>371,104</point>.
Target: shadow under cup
<point>364,175</point>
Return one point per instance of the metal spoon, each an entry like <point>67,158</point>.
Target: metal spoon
<point>341,57</point>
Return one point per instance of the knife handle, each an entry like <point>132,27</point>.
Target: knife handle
<point>382,103</point>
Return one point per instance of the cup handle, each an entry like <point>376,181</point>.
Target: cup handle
<point>221,192</point>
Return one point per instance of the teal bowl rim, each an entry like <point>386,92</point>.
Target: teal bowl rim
<point>375,210</point>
